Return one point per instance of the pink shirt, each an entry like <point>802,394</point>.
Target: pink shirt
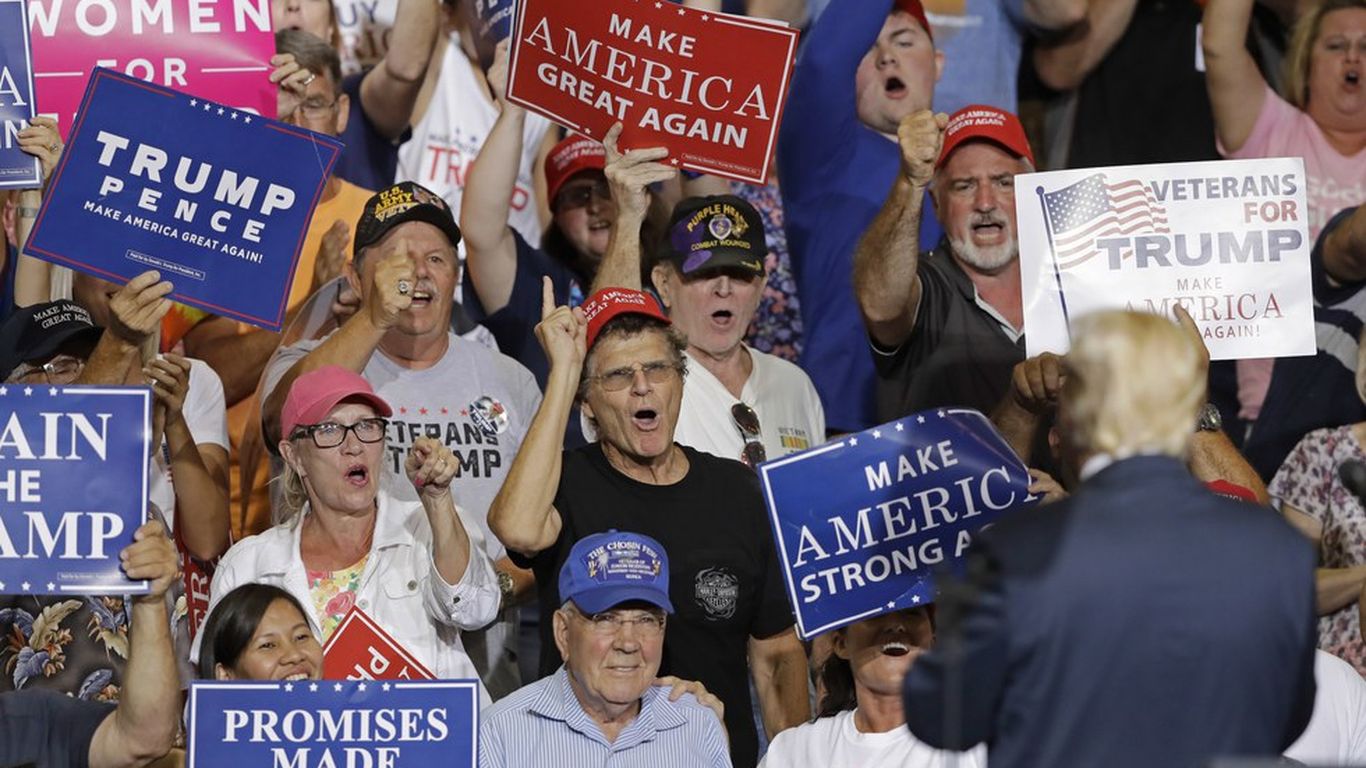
<point>1335,181</point>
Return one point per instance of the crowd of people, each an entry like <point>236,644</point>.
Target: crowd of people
<point>527,377</point>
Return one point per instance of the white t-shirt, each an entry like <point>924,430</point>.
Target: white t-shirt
<point>835,742</point>
<point>207,417</point>
<point>1336,734</point>
<point>453,129</point>
<point>790,415</point>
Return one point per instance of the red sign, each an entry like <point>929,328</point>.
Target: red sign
<point>214,49</point>
<point>359,650</point>
<point>708,86</point>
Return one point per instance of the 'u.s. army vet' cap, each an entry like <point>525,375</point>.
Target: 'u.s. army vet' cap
<point>399,204</point>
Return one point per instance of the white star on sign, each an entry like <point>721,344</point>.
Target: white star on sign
<point>877,434</point>
<point>900,427</point>
<point>920,419</point>
<point>681,11</point>
<point>194,102</point>
<point>28,391</point>
<point>941,413</point>
<point>25,586</point>
<point>915,598</point>
<point>659,5</point>
<point>246,119</point>
<point>360,687</point>
<point>234,115</point>
<point>337,687</point>
<point>673,160</point>
<point>313,687</point>
<point>220,110</point>
<point>4,391</point>
<point>207,106</point>
<point>386,686</point>
<point>853,441</point>
<point>52,391</point>
<point>2,586</point>
<point>289,687</point>
<point>51,587</point>
<point>891,604</point>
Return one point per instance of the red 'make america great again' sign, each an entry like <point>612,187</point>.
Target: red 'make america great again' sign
<point>708,86</point>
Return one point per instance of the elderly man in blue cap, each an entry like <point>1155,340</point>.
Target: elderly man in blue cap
<point>604,701</point>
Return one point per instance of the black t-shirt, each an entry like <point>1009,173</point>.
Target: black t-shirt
<point>45,729</point>
<point>724,580</point>
<point>958,354</point>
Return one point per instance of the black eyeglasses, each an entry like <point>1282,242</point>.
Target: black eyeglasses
<point>330,434</point>
<point>580,195</point>
<point>747,421</point>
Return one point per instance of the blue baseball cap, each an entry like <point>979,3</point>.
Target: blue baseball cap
<point>608,569</point>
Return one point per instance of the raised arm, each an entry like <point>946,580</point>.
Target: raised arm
<point>1214,457</point>
<point>490,249</point>
<point>1065,60</point>
<point>628,175</point>
<point>1344,248</point>
<point>144,725</point>
<point>135,313</point>
<point>523,514</point>
<point>389,91</point>
<point>352,344</point>
<point>885,280</point>
<point>33,277</point>
<point>1034,386</point>
<point>1236,87</point>
<point>778,665</point>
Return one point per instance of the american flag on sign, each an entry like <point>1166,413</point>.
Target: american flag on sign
<point>1092,208</point>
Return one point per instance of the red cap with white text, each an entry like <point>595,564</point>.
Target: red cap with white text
<point>983,123</point>
<point>568,158</point>
<point>608,303</point>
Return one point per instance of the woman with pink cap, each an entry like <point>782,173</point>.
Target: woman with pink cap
<point>346,542</point>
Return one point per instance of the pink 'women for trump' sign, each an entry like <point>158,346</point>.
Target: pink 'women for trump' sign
<point>213,49</point>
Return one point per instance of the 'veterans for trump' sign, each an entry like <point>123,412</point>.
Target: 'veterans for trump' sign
<point>1225,240</point>
<point>73,485</point>
<point>218,201</point>
<point>327,724</point>
<point>862,521</point>
<point>215,50</point>
<point>708,86</point>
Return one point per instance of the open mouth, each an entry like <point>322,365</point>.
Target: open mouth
<point>1352,78</point>
<point>722,317</point>
<point>296,677</point>
<point>421,298</point>
<point>894,87</point>
<point>988,229</point>
<point>358,475</point>
<point>895,648</point>
<point>646,419</point>
<point>599,226</point>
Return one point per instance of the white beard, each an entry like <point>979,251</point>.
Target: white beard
<point>989,259</point>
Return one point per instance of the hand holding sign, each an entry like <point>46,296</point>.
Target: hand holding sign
<point>563,332</point>
<point>135,311</point>
<point>391,287</point>
<point>152,556</point>
<point>629,174</point>
<point>170,380</point>
<point>41,140</point>
<point>921,134</point>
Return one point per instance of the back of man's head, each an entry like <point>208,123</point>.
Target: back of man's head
<point>1134,384</point>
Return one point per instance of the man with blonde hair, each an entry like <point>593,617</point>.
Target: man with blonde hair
<point>1142,621</point>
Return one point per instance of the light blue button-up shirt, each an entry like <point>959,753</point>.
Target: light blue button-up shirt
<point>544,724</point>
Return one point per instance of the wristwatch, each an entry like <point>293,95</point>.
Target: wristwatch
<point>505,587</point>
<point>1210,419</point>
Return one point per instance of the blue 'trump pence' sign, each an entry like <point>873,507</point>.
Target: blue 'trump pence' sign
<point>861,521</point>
<point>73,486</point>
<point>17,168</point>
<point>216,199</point>
<point>334,724</point>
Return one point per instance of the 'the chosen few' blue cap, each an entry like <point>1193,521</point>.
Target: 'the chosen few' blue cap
<point>607,569</point>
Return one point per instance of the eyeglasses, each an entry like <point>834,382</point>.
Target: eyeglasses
<point>316,109</point>
<point>656,373</point>
<point>330,434</point>
<point>609,623</point>
<point>55,371</point>
<point>747,421</point>
<point>580,195</point>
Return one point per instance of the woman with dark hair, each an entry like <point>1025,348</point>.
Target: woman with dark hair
<point>861,721</point>
<point>259,632</point>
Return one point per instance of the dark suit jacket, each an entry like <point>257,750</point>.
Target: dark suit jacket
<point>1142,622</point>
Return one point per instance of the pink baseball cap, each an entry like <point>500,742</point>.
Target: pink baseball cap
<point>917,12</point>
<point>317,392</point>
<point>979,121</point>
<point>569,157</point>
<point>613,302</point>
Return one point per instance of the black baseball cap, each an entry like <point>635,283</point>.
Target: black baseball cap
<point>399,204</point>
<point>713,232</point>
<point>41,330</point>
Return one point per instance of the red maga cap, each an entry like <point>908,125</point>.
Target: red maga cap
<point>979,121</point>
<point>612,302</point>
<point>574,154</point>
<point>917,12</point>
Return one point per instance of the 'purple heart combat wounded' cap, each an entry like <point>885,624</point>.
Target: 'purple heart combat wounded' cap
<point>716,232</point>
